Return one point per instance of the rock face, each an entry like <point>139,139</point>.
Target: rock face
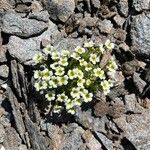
<point>23,27</point>
<point>25,49</point>
<point>60,9</point>
<point>140,35</point>
<point>140,5</point>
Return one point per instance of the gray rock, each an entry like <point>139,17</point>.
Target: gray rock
<point>11,139</point>
<point>24,1</point>
<point>3,55</point>
<point>4,71</point>
<point>68,43</point>
<point>105,26</point>
<point>136,129</point>
<point>96,3</point>
<point>22,8</point>
<point>140,36</point>
<point>119,20</point>
<point>138,82</point>
<point>91,141</point>
<point>130,101</point>
<point>123,7</point>
<point>106,142</point>
<point>23,27</point>
<point>73,140</point>
<point>140,5</point>
<point>2,133</point>
<point>60,9</point>
<point>41,16</point>
<point>25,49</point>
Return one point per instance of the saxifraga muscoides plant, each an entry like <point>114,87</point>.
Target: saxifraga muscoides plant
<point>69,79</point>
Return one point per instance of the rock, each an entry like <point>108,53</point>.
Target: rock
<point>3,54</point>
<point>18,120</point>
<point>136,129</point>
<point>120,35</point>
<point>130,67</point>
<point>23,27</point>
<point>106,142</point>
<point>2,133</point>
<point>37,141</point>
<point>123,7</point>
<point>141,5</point>
<point>124,47</point>
<point>60,10</point>
<point>140,37</point>
<point>24,1</point>
<point>40,16</point>
<point>4,71</point>
<point>6,5</point>
<point>11,139</point>
<point>25,49</point>
<point>91,142</point>
<point>119,20</point>
<point>22,8</point>
<point>68,43</point>
<point>105,26</point>
<point>73,140</point>
<point>22,147</point>
<point>117,91</point>
<point>130,102</point>
<point>139,83</point>
<point>86,23</point>
<point>36,7</point>
<point>96,3</point>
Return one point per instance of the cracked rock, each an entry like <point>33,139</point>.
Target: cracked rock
<point>123,7</point>
<point>23,27</point>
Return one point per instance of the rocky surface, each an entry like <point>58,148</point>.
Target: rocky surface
<point>119,121</point>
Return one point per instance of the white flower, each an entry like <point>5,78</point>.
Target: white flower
<point>81,82</point>
<point>106,85</point>
<point>94,58</point>
<point>78,73</point>
<point>89,44</point>
<point>54,66</point>
<point>38,86</point>
<point>112,66</point>
<point>44,85</point>
<point>88,67</point>
<point>63,80</point>
<point>65,53</point>
<point>48,49</point>
<point>82,91</point>
<point>46,74</point>
<point>69,104</point>
<point>75,56</point>
<point>54,81</point>
<point>37,74</point>
<point>71,111</point>
<point>63,61</point>
<point>99,73</point>
<point>50,96</point>
<point>88,82</point>
<point>77,102</point>
<point>55,55</point>
<point>38,58</point>
<point>71,74</point>
<point>80,50</point>
<point>101,48</point>
<point>62,97</point>
<point>59,71</point>
<point>75,93</point>
<point>83,62</point>
<point>88,97</point>
<point>109,45</point>
<point>57,109</point>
